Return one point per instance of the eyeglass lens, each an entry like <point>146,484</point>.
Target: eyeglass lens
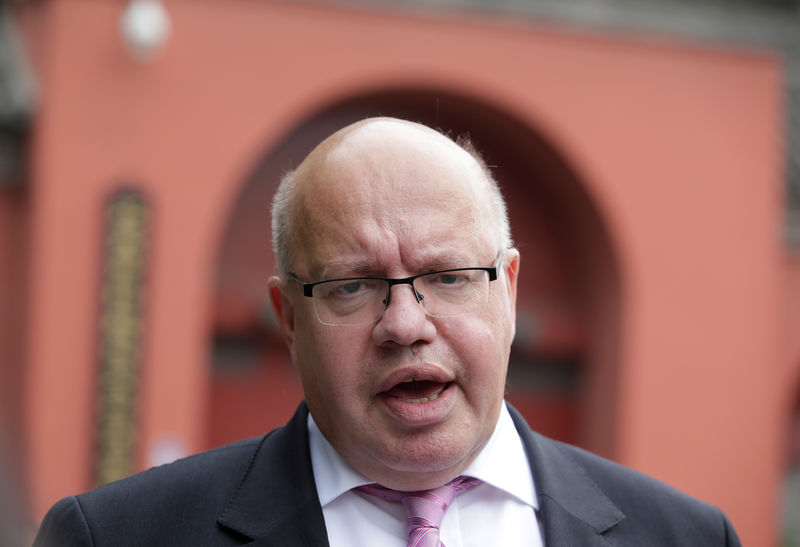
<point>363,300</point>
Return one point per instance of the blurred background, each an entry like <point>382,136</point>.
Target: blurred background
<point>649,151</point>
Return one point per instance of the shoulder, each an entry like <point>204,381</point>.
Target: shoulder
<point>617,501</point>
<point>628,488</point>
<point>186,494</point>
<point>650,506</point>
<point>211,498</point>
<point>200,474</point>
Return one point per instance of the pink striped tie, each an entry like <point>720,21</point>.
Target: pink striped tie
<point>425,509</point>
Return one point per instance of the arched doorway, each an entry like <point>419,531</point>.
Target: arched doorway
<point>561,374</point>
<point>790,502</point>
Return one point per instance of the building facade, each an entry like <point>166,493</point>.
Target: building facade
<point>658,312</point>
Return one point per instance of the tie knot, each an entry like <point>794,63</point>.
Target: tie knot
<point>425,509</point>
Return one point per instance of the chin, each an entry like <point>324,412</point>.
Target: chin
<point>432,456</point>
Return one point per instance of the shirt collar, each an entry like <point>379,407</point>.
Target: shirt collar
<point>332,474</point>
<point>502,463</point>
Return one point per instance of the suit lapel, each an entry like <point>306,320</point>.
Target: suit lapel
<point>276,502</point>
<point>573,509</point>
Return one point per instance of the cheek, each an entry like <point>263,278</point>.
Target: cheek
<point>328,361</point>
<point>482,347</point>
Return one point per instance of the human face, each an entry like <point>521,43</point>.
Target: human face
<point>410,400</point>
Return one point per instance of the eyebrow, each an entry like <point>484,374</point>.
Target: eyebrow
<point>346,269</point>
<point>370,268</point>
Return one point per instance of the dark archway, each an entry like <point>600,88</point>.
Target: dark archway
<point>790,495</point>
<point>563,360</point>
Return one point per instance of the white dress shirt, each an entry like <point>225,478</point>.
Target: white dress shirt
<point>499,511</point>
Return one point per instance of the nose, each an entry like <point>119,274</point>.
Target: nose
<point>404,321</point>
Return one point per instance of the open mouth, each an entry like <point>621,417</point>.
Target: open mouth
<point>417,391</point>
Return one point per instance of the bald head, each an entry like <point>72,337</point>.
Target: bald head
<point>372,164</point>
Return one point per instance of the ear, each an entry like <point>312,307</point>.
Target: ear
<point>282,309</point>
<point>510,278</point>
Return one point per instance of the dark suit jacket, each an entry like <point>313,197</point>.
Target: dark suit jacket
<point>261,491</point>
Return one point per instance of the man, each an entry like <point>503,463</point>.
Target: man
<point>396,298</point>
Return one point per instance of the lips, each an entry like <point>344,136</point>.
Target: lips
<point>418,396</point>
<point>417,391</point>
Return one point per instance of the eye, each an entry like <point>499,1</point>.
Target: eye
<point>348,289</point>
<point>449,279</point>
<point>351,287</point>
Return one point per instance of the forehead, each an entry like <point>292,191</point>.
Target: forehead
<point>390,191</point>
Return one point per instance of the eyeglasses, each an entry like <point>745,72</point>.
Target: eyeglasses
<point>360,300</point>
